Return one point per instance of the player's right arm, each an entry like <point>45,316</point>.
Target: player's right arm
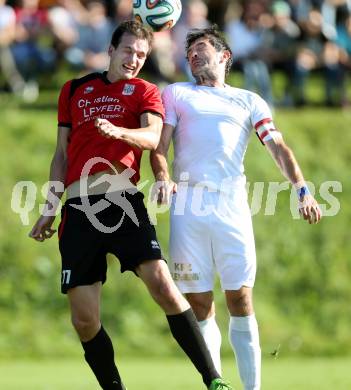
<point>42,229</point>
<point>158,159</point>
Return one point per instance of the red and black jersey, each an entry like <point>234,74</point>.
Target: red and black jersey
<point>83,100</point>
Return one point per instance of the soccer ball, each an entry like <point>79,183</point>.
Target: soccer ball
<point>158,14</point>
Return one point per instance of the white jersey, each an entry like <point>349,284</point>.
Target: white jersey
<point>212,130</point>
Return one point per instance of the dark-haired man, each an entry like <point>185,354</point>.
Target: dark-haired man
<point>211,229</point>
<point>105,121</point>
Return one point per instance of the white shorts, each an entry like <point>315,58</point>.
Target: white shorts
<point>211,232</point>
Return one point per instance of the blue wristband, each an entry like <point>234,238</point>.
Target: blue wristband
<point>301,192</point>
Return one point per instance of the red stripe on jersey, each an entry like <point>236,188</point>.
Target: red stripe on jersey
<point>262,122</point>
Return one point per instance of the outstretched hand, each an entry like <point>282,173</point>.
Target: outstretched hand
<point>309,209</point>
<point>42,228</point>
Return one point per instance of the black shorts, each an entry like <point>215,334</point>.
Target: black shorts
<point>85,238</point>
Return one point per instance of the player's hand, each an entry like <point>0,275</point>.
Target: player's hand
<point>309,209</point>
<point>42,228</point>
<point>107,129</point>
<point>163,190</point>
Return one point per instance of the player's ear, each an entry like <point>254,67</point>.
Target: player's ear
<point>226,55</point>
<point>110,50</point>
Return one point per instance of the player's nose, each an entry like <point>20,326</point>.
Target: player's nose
<point>132,58</point>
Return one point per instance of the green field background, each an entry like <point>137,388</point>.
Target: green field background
<point>302,293</point>
<point>175,374</point>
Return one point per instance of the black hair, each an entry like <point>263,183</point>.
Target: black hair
<point>216,39</point>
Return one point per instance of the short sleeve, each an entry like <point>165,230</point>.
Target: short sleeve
<point>151,101</point>
<point>169,105</point>
<point>64,113</point>
<point>260,111</point>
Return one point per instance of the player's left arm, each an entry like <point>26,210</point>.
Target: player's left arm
<point>146,137</point>
<point>286,161</point>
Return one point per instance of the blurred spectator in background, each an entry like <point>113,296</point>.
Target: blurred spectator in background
<point>295,37</point>
<point>13,79</point>
<point>194,15</point>
<point>47,3</point>
<point>280,45</point>
<point>123,11</point>
<point>245,36</point>
<point>300,10</point>
<point>90,52</point>
<point>343,38</point>
<point>31,48</point>
<point>160,63</point>
<point>317,52</point>
<point>217,9</point>
<point>65,17</point>
<point>330,10</point>
<point>343,41</point>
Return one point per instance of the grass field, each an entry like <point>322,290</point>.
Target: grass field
<point>302,290</point>
<point>175,374</point>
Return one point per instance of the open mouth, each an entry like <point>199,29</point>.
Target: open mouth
<point>129,68</point>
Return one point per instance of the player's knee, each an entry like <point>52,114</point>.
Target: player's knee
<point>240,305</point>
<point>85,325</point>
<point>202,305</point>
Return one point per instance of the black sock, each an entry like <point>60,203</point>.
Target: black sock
<point>99,355</point>
<point>185,329</point>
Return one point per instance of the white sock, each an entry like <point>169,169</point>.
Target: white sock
<point>244,338</point>
<point>213,340</point>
